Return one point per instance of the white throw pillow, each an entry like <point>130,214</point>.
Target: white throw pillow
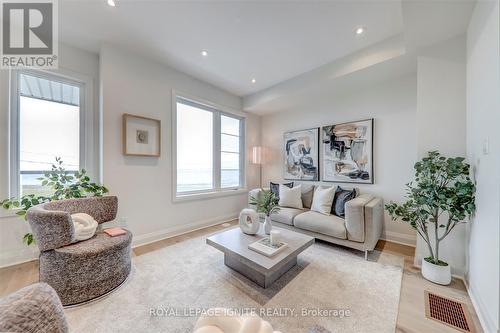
<point>322,200</point>
<point>290,197</point>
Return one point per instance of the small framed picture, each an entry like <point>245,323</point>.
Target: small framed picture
<point>141,136</point>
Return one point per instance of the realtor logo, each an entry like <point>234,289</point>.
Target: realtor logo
<point>29,33</point>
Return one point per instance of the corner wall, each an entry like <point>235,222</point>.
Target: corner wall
<point>441,126</point>
<point>483,129</point>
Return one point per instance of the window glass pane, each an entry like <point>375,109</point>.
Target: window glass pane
<point>230,170</point>
<point>230,143</point>
<point>194,148</point>
<point>47,129</point>
<point>229,125</point>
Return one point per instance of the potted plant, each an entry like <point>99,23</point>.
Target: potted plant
<point>440,198</point>
<point>265,203</point>
<point>62,184</point>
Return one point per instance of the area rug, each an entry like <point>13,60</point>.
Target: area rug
<point>331,288</point>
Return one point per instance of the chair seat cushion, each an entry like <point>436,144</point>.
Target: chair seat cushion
<point>329,225</point>
<point>286,215</point>
<point>97,244</point>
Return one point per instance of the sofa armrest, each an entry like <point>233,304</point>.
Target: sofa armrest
<point>253,193</point>
<point>35,308</point>
<point>355,217</point>
<point>51,229</point>
<point>374,221</point>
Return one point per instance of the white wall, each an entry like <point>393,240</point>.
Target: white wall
<point>441,126</point>
<point>392,104</point>
<point>483,124</point>
<point>131,84</point>
<point>73,62</point>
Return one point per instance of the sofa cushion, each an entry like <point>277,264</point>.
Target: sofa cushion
<point>307,195</point>
<point>286,215</point>
<point>341,197</point>
<point>323,198</point>
<point>275,188</point>
<point>329,225</point>
<point>291,197</point>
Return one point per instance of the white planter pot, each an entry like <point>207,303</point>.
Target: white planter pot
<point>435,273</point>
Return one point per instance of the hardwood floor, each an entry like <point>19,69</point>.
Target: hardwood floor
<point>411,315</point>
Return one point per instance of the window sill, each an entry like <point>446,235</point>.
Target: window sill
<point>209,195</point>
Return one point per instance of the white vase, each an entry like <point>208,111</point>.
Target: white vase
<point>435,273</point>
<point>249,227</point>
<point>267,225</point>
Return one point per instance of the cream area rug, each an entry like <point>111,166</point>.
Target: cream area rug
<point>332,289</point>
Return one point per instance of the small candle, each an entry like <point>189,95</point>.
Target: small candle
<point>275,237</point>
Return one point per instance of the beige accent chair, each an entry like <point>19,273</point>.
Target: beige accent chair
<point>360,229</point>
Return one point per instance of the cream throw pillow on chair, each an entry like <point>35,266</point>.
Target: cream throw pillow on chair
<point>291,197</point>
<point>322,200</point>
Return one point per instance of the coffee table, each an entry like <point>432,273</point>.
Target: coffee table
<point>257,267</point>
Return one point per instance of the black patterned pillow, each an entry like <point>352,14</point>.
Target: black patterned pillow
<point>339,200</point>
<point>275,188</point>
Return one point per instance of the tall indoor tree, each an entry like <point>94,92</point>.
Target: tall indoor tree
<point>441,197</point>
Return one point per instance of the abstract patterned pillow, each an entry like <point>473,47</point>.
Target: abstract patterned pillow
<point>275,188</point>
<point>339,200</point>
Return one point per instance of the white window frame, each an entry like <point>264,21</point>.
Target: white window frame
<point>217,111</point>
<point>86,121</point>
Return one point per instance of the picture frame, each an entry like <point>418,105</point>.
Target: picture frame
<point>347,151</point>
<point>301,155</point>
<point>141,136</point>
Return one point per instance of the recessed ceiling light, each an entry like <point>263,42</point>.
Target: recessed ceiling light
<point>360,30</point>
<point>254,80</point>
<point>111,3</point>
<point>204,53</point>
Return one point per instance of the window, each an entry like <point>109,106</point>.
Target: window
<point>208,145</point>
<point>47,121</point>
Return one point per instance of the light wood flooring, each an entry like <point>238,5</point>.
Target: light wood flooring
<point>411,315</point>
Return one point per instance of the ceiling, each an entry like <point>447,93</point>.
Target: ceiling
<point>275,42</point>
<point>268,41</point>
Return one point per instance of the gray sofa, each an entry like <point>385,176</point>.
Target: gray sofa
<point>360,229</point>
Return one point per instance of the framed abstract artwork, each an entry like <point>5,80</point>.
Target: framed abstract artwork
<point>141,136</point>
<point>348,152</point>
<point>301,158</point>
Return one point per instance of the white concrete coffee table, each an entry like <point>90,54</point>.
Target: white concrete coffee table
<point>255,266</point>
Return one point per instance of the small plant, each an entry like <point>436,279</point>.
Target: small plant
<point>441,197</point>
<point>265,202</point>
<point>64,184</point>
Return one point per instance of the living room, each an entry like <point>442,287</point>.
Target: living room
<point>250,166</point>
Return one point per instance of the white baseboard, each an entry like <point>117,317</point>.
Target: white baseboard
<point>400,238</point>
<point>155,236</point>
<point>11,258</point>
<point>486,321</point>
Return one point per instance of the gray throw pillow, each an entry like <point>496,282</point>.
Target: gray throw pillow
<point>307,195</point>
<point>339,200</point>
<point>275,188</point>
